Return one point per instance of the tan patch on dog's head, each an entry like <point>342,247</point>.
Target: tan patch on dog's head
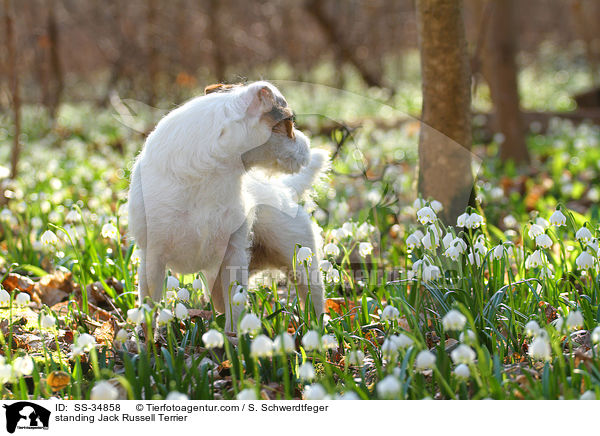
<point>285,127</point>
<point>220,87</point>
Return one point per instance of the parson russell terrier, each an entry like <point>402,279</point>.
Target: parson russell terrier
<point>208,194</point>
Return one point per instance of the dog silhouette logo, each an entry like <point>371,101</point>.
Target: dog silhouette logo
<point>26,415</point>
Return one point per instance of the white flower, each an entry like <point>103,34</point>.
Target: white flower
<point>183,295</point>
<point>356,358</point>
<point>532,328</point>
<point>311,341</point>
<point>110,231</point>
<point>48,238</point>
<point>546,272</point>
<point>425,360</point>
<point>261,346</point>
<point>390,313</point>
<point>348,396</point>
<point>135,315</point>
<point>329,342</point>
<point>4,296</point>
<point>389,387</point>
<point>419,203</point>
<point>121,336</point>
<point>306,371</point>
<point>304,254</point>
<point>349,228</point>
<point>540,349</point>
<point>104,390</point>
<point>460,245</point>
<point>542,222</point>
<point>172,283</point>
<point>468,337</point>
<point>535,230</point>
<point>338,234</point>
<point>596,335</point>
<point>462,372</point>
<point>534,260</point>
<point>430,272</point>
<point>474,221</point>
<point>436,206</point>
<point>401,340</point>
<point>454,320</point>
<point>6,372</point>
<point>543,241</point>
<point>333,276</point>
<point>250,323</point>
<point>135,258</point>
<point>314,392</point>
<point>213,339</point>
<point>239,299</point>
<point>588,395</point>
<point>364,231</point>
<point>574,320</point>
<point>181,311</point>
<point>414,240</point>
<point>583,235</point>
<point>461,221</point>
<point>23,299</point>
<point>452,252</point>
<point>198,284</point>
<point>176,396</point>
<point>447,240</point>
<point>463,354</point>
<point>284,343</point>
<point>47,321</point>
<point>498,252</point>
<point>22,366</point>
<point>84,343</point>
<point>585,261</point>
<point>430,240</point>
<point>247,395</point>
<point>474,258</point>
<point>558,219</point>
<point>325,266</point>
<point>426,215</point>
<point>165,316</point>
<point>389,348</point>
<point>331,249</point>
<point>365,248</point>
<point>73,216</point>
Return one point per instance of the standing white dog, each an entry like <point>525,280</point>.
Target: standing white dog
<point>200,199</point>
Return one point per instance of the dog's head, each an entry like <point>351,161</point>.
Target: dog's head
<point>272,142</point>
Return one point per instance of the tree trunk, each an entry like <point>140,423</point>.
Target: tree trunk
<point>55,66</point>
<point>13,77</point>
<point>214,34</point>
<point>152,47</point>
<point>500,71</point>
<point>445,138</point>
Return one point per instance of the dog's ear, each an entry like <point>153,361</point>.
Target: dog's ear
<point>261,99</point>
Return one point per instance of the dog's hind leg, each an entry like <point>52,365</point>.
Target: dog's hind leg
<point>234,268</point>
<point>277,234</point>
<point>151,276</point>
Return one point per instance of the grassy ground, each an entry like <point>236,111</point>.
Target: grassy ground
<point>506,314</point>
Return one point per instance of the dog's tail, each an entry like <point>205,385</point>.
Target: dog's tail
<point>315,170</point>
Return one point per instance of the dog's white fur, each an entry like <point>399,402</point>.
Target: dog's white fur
<point>195,206</point>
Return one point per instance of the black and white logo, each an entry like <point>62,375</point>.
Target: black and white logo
<point>26,415</point>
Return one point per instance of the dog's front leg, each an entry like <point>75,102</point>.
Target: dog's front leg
<point>234,269</point>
